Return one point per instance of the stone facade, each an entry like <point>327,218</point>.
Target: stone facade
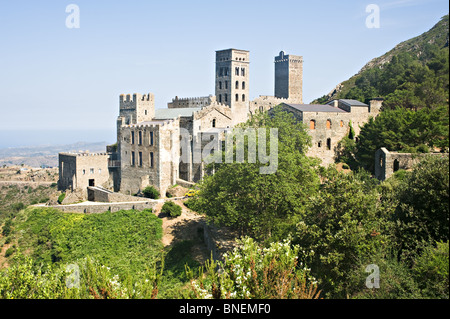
<point>164,146</point>
<point>387,163</point>
<point>80,170</point>
<point>328,124</point>
<point>289,77</point>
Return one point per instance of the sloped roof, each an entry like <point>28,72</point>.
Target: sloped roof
<point>353,102</point>
<point>315,108</point>
<point>163,114</point>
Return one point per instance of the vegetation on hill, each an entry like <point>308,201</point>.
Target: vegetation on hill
<point>413,80</point>
<point>415,74</point>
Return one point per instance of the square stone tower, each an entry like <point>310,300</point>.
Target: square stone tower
<point>289,77</point>
<point>232,82</point>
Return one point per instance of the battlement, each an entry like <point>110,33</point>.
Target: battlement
<point>80,154</point>
<point>190,102</point>
<point>282,57</point>
<point>132,100</point>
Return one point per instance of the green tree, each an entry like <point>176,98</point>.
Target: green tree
<point>422,213</point>
<point>262,205</point>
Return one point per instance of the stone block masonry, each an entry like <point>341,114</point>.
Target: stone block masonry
<point>96,208</point>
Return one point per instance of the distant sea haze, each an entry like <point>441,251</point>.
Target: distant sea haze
<point>18,138</point>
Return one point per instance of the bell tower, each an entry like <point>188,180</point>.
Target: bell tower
<point>232,85</point>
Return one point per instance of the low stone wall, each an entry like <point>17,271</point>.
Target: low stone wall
<point>98,194</point>
<point>95,208</point>
<point>184,183</point>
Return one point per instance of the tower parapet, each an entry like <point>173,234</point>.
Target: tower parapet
<point>137,108</point>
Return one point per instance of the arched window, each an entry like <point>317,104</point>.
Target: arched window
<point>328,124</point>
<point>237,71</point>
<point>243,97</point>
<point>342,123</point>
<point>214,123</point>
<point>328,143</point>
<point>243,85</point>
<point>243,71</point>
<point>237,97</point>
<point>236,85</point>
<point>312,125</point>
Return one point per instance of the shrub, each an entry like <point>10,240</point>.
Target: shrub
<point>61,198</point>
<point>151,192</point>
<point>9,252</point>
<point>171,209</point>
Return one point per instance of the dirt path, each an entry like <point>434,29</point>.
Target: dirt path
<point>188,226</point>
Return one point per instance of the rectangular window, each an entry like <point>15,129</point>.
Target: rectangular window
<point>151,159</point>
<point>140,158</point>
<point>132,137</point>
<point>151,138</point>
<point>140,137</point>
<point>133,159</point>
<point>91,171</point>
<point>243,71</point>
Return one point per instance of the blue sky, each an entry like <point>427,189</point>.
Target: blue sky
<point>53,77</point>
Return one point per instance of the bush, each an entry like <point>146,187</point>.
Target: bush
<point>9,252</point>
<point>61,198</point>
<point>171,209</point>
<point>151,192</point>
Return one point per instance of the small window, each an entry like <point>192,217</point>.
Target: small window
<point>243,97</point>
<point>140,158</point>
<point>140,137</point>
<point>328,124</point>
<point>328,143</point>
<point>220,98</point>
<point>236,86</point>
<point>237,97</point>
<point>243,71</point>
<point>99,170</point>
<point>84,172</point>
<point>319,144</point>
<point>91,171</point>
<point>226,97</point>
<point>214,123</point>
<point>396,165</point>
<point>312,125</point>
<point>132,137</point>
<point>133,159</point>
<point>236,71</point>
<point>226,85</point>
<point>151,138</point>
<point>342,124</point>
<point>151,159</point>
<point>220,85</point>
<point>243,85</point>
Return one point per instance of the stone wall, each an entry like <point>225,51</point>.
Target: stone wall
<point>387,163</point>
<point>80,170</point>
<point>95,208</point>
<point>163,148</point>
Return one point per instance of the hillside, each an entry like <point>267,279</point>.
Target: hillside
<point>44,155</point>
<point>414,74</point>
